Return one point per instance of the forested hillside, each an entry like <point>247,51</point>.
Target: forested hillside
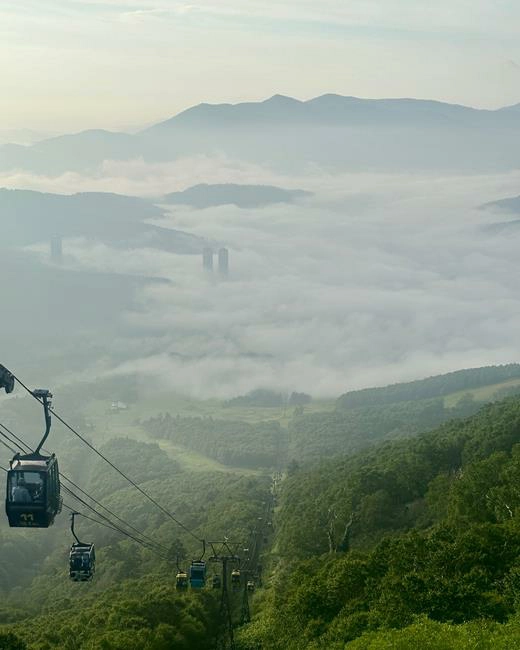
<point>438,386</point>
<point>268,444</point>
<point>229,441</point>
<point>421,536</point>
<point>360,419</point>
<point>323,435</point>
<point>132,614</point>
<point>389,529</point>
<point>132,601</point>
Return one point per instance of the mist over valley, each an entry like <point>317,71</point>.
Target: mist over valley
<point>337,280</point>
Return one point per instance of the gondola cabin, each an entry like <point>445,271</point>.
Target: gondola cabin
<point>33,491</point>
<point>181,580</point>
<point>235,579</point>
<point>197,574</point>
<point>82,562</point>
<point>216,582</point>
<point>250,585</point>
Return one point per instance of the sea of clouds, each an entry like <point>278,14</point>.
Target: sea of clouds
<point>376,278</point>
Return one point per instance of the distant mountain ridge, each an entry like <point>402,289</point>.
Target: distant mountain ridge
<point>332,131</point>
<point>332,108</point>
<point>511,204</point>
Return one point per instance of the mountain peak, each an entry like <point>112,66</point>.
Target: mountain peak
<point>281,99</point>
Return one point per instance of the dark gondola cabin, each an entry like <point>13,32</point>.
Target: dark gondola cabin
<point>216,582</point>
<point>197,574</point>
<point>33,491</point>
<point>32,497</point>
<point>82,562</point>
<point>235,579</point>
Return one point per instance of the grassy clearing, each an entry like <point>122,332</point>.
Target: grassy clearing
<point>107,424</point>
<point>195,462</point>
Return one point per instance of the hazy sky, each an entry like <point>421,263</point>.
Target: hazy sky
<point>74,64</point>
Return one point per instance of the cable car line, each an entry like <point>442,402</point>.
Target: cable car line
<point>42,397</point>
<point>106,525</point>
<point>13,442</point>
<point>111,526</point>
<point>109,462</point>
<point>65,505</point>
<point>66,478</point>
<point>24,446</point>
<point>197,571</point>
<point>100,523</point>
<point>11,449</point>
<point>145,544</point>
<point>113,514</point>
<point>151,545</point>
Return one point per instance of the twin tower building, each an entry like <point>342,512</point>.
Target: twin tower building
<point>223,261</point>
<point>56,250</point>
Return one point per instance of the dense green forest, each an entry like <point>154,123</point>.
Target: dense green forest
<point>267,444</point>
<point>360,418</point>
<point>132,601</point>
<point>134,614</point>
<point>397,526</point>
<point>322,435</point>
<point>419,536</point>
<point>230,442</point>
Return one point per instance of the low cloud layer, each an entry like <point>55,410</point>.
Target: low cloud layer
<point>139,178</point>
<point>377,279</point>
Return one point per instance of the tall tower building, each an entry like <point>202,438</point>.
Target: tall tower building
<point>223,262</point>
<point>56,248</point>
<point>207,259</point>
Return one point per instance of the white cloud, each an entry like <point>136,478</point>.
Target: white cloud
<point>421,15</point>
<point>336,293</point>
<point>138,178</point>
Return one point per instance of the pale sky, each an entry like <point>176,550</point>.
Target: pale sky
<point>68,65</point>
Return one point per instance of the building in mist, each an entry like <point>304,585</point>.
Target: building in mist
<point>207,259</point>
<point>56,248</point>
<point>223,262</point>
